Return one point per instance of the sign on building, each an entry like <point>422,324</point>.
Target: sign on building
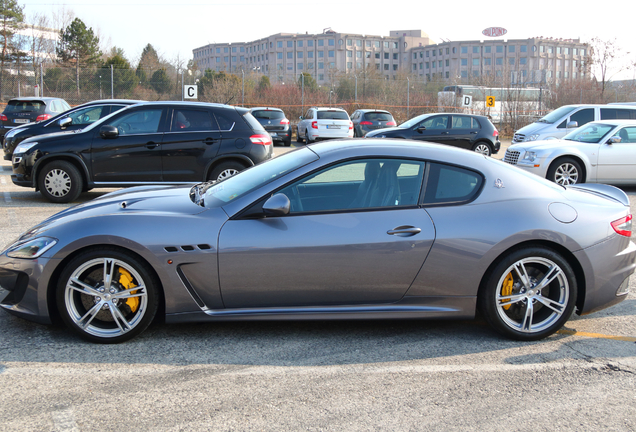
<point>494,31</point>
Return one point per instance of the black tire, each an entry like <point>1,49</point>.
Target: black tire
<point>504,297</point>
<point>298,138</point>
<point>107,310</point>
<point>225,170</point>
<point>483,148</point>
<point>307,140</point>
<point>60,182</point>
<point>566,171</point>
<point>287,143</point>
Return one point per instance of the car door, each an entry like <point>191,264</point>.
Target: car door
<point>134,156</point>
<point>354,235</point>
<point>190,143</point>
<point>434,129</point>
<point>463,131</point>
<point>617,161</point>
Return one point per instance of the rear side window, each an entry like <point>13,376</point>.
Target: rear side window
<point>613,114</point>
<point>465,122</point>
<point>187,120</point>
<point>268,114</point>
<point>448,184</point>
<point>332,115</point>
<point>253,123</point>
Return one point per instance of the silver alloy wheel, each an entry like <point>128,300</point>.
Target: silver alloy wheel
<point>532,294</point>
<point>229,172</point>
<point>566,174</point>
<point>483,149</point>
<point>57,182</point>
<point>102,306</point>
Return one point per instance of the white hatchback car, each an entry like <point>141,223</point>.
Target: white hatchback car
<point>323,123</point>
<point>598,152</point>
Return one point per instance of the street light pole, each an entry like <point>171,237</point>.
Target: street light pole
<point>243,88</point>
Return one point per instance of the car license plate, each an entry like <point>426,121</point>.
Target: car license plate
<point>333,127</point>
<point>21,121</point>
<point>273,134</point>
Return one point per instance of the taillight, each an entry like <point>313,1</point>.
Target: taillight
<point>366,123</point>
<point>3,117</point>
<point>350,125</point>
<point>495,133</point>
<point>391,123</point>
<point>314,125</point>
<point>284,121</point>
<point>262,139</point>
<point>43,117</point>
<point>623,226</point>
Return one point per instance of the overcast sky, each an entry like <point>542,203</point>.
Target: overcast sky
<point>175,28</point>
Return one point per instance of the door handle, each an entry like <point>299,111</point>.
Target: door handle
<point>209,141</point>
<point>445,133</point>
<point>151,145</point>
<point>473,132</point>
<point>404,231</point>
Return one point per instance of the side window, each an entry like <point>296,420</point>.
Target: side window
<point>583,116</point>
<point>225,123</point>
<point>138,122</point>
<point>188,120</point>
<point>628,135</point>
<point>613,114</point>
<point>451,185</point>
<point>437,122</point>
<point>87,115</point>
<point>360,184</point>
<point>462,122</point>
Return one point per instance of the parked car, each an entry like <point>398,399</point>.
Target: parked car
<point>370,229</point>
<point>472,132</point>
<point>275,123</point>
<point>148,143</point>
<point>563,120</point>
<point>324,123</point>
<point>599,152</point>
<point>366,120</point>
<point>75,118</point>
<point>24,110</point>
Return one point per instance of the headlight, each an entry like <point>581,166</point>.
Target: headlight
<point>533,137</point>
<point>531,156</point>
<point>31,248</point>
<point>22,148</point>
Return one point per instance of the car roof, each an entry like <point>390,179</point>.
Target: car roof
<point>266,109</point>
<point>617,122</point>
<point>329,109</point>
<point>35,98</point>
<point>366,110</point>
<point>111,101</point>
<point>190,104</point>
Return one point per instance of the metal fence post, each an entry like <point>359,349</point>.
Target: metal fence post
<point>112,83</point>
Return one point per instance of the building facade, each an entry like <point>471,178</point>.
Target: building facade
<point>284,56</point>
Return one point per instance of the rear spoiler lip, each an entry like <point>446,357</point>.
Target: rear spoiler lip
<point>605,190</point>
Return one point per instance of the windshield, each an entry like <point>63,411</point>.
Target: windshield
<point>557,114</point>
<point>221,193</point>
<point>332,115</point>
<point>415,120</point>
<point>104,120</point>
<point>268,114</point>
<point>590,133</point>
<point>34,106</point>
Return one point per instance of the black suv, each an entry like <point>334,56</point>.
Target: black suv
<point>75,118</point>
<point>472,132</point>
<point>275,123</point>
<point>149,143</point>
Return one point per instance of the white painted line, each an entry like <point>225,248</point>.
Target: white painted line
<point>64,421</point>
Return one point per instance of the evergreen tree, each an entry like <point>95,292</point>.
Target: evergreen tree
<point>149,63</point>
<point>11,15</point>
<point>124,77</point>
<point>160,81</point>
<point>78,44</point>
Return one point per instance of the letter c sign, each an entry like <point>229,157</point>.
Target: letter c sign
<point>190,92</point>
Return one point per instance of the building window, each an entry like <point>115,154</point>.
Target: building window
<point>310,43</point>
<point>290,55</point>
<point>321,65</point>
<point>332,42</point>
<point>299,44</point>
<point>475,50</point>
<point>377,55</point>
<point>310,54</point>
<point>299,66</point>
<point>487,49</point>
<point>464,62</point>
<point>454,50</point>
<point>395,56</point>
<point>487,61</point>
<point>447,63</point>
<point>523,48</point>
<point>321,54</point>
<point>310,65</point>
<point>359,43</point>
<point>523,61</point>
<point>499,48</point>
<point>290,44</point>
<point>299,54</point>
<point>464,50</point>
<point>395,67</point>
<point>386,44</point>
<point>395,45</point>
<point>332,53</point>
<point>475,62</point>
<point>386,56</point>
<point>321,42</point>
<point>386,67</point>
<point>349,53</point>
<point>349,42</point>
<point>511,61</point>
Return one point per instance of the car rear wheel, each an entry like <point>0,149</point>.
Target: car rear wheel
<point>298,138</point>
<point>482,148</point>
<point>60,182</point>
<point>107,295</point>
<point>530,294</point>
<point>566,172</point>
<point>225,170</point>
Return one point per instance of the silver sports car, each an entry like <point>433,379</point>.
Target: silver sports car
<point>336,230</point>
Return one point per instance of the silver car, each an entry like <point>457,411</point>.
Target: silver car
<point>598,152</point>
<point>335,230</point>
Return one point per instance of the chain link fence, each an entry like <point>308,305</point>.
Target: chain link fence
<point>405,96</point>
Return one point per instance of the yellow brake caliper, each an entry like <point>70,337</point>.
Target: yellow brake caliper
<point>506,289</point>
<point>126,280</point>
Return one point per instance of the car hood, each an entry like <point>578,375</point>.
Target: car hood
<point>51,136</point>
<point>532,128</point>
<point>142,200</point>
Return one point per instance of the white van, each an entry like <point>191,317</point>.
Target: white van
<point>562,120</point>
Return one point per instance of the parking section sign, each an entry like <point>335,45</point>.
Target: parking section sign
<point>190,92</point>
<point>467,101</point>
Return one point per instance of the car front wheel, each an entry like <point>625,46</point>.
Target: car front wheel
<point>530,294</point>
<point>60,182</point>
<point>107,295</point>
<point>566,172</point>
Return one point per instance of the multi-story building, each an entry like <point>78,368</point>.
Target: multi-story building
<point>285,56</point>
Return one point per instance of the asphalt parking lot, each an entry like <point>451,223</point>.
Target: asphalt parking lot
<point>326,376</point>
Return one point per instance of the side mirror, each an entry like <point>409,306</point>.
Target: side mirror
<point>572,125</point>
<point>614,140</point>
<point>108,132</point>
<point>278,205</point>
<point>421,129</point>
<point>65,122</point>
<point>301,117</point>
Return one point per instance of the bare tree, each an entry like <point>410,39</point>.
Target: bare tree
<point>605,60</point>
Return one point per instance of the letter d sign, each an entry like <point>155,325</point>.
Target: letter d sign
<point>467,101</point>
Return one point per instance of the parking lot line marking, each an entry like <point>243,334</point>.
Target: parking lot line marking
<point>596,335</point>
